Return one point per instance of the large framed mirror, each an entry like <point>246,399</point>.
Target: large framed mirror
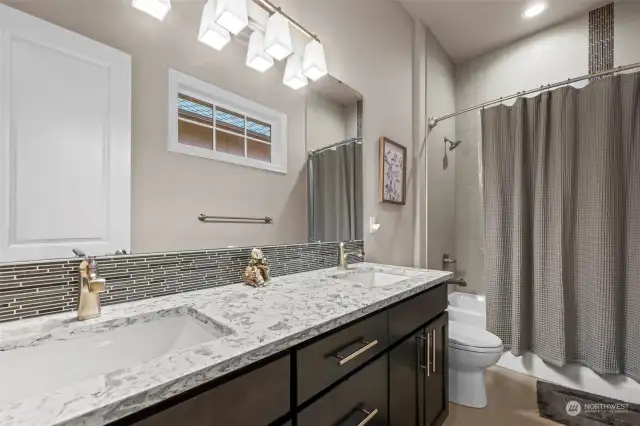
<point>148,153</point>
<point>334,163</point>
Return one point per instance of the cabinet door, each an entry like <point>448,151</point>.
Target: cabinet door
<point>256,398</point>
<point>404,372</point>
<point>435,370</point>
<point>360,400</point>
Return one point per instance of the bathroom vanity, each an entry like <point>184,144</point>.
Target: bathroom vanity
<point>363,346</point>
<point>389,368</point>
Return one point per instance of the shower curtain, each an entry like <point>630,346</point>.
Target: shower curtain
<point>335,190</point>
<point>562,225</point>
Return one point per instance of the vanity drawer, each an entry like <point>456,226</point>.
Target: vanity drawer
<point>327,360</point>
<point>363,396</point>
<point>411,314</point>
<point>256,398</point>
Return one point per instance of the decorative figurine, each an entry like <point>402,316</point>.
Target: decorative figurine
<point>256,273</point>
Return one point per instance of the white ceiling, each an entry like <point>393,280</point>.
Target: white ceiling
<point>468,28</point>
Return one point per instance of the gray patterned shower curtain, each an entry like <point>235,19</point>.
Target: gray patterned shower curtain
<point>335,194</point>
<point>562,224</point>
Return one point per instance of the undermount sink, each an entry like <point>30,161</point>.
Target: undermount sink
<point>48,364</point>
<point>372,278</point>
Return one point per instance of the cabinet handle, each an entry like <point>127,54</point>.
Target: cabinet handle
<point>370,415</point>
<point>428,353</point>
<point>433,358</point>
<point>429,365</point>
<point>346,359</point>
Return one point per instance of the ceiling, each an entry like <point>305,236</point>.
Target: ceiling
<point>468,28</point>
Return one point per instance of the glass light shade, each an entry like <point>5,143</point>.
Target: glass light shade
<point>232,15</point>
<point>156,8</point>
<point>293,76</point>
<point>314,64</point>
<point>257,58</point>
<point>277,37</point>
<point>210,33</point>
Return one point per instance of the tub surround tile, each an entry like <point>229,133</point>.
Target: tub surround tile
<point>264,321</point>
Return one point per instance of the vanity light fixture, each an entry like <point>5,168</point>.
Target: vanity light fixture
<point>277,37</point>
<point>156,8</point>
<point>210,32</point>
<point>314,64</point>
<point>293,75</point>
<point>257,58</point>
<point>232,15</point>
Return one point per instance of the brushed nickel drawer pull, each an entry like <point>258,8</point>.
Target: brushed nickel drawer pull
<point>370,415</point>
<point>433,358</point>
<point>428,353</point>
<point>346,359</point>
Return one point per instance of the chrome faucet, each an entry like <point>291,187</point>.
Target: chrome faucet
<point>89,289</point>
<point>342,256</point>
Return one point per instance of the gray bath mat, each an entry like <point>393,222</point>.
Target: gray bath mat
<point>576,408</point>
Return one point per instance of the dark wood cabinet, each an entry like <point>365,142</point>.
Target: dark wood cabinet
<point>408,316</point>
<point>434,371</point>
<point>404,371</point>
<point>256,398</point>
<point>362,397</point>
<point>418,377</point>
<point>327,360</point>
<point>389,368</point>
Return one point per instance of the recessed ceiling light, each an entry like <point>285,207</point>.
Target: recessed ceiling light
<point>534,10</point>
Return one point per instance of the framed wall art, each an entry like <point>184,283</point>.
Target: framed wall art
<point>392,172</point>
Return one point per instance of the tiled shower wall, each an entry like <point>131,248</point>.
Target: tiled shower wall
<point>601,38</point>
<point>31,289</point>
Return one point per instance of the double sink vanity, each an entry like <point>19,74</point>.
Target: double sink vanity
<point>366,345</point>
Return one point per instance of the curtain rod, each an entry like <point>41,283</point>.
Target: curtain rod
<point>433,121</point>
<point>335,145</point>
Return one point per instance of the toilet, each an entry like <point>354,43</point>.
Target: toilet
<point>471,351</point>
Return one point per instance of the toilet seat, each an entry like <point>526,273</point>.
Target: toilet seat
<point>473,339</point>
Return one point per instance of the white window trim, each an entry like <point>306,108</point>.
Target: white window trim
<point>183,83</point>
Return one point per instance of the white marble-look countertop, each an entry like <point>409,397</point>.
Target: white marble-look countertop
<point>265,321</point>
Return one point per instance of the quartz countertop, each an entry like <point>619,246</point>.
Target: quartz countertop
<point>265,321</point>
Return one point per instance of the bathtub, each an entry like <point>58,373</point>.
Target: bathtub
<point>472,309</point>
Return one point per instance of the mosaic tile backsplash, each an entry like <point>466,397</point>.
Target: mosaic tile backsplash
<point>30,289</point>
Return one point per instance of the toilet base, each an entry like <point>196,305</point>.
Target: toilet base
<point>467,388</point>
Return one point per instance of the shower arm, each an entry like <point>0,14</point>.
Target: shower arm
<point>452,145</point>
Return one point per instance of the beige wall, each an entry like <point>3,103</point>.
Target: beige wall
<point>369,47</point>
<point>440,181</point>
<point>433,75</point>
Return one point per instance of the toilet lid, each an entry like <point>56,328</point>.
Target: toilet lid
<point>475,338</point>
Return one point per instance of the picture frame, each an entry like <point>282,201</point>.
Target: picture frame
<point>392,172</point>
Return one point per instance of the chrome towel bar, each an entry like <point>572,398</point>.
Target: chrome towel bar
<point>234,219</point>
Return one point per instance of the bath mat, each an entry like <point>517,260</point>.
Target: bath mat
<point>576,408</point>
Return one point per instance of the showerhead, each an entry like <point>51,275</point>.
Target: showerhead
<point>452,145</point>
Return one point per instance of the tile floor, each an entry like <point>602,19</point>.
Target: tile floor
<point>512,401</point>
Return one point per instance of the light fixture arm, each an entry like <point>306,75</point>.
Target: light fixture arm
<point>272,8</point>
